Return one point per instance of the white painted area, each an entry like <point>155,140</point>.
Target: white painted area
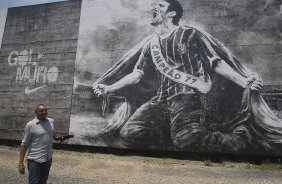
<point>29,91</point>
<point>29,71</point>
<point>3,16</point>
<point>107,15</point>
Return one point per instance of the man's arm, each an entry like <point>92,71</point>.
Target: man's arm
<point>23,148</point>
<point>130,79</point>
<point>21,167</point>
<point>228,72</point>
<point>208,53</point>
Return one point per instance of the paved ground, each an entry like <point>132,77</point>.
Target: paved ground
<point>84,168</point>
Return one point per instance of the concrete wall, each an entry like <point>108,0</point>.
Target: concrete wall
<point>37,64</point>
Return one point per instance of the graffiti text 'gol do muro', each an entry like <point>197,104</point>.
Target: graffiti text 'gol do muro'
<point>29,71</point>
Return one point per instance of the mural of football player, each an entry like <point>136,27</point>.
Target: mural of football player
<point>184,90</point>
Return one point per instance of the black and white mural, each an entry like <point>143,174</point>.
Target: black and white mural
<point>179,75</point>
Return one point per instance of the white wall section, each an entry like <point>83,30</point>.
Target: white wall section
<point>3,15</point>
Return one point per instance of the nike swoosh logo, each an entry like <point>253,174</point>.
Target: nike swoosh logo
<point>29,91</point>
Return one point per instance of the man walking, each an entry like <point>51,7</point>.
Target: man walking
<point>38,140</point>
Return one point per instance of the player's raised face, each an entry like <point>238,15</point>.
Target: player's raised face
<point>159,13</point>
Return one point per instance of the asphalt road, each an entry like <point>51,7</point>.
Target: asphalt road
<point>83,168</point>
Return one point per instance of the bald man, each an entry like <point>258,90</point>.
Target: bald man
<point>38,140</point>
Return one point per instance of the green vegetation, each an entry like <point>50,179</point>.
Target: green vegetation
<point>265,165</point>
<point>208,163</point>
<point>269,166</point>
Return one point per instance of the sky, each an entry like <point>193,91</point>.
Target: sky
<point>15,3</point>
